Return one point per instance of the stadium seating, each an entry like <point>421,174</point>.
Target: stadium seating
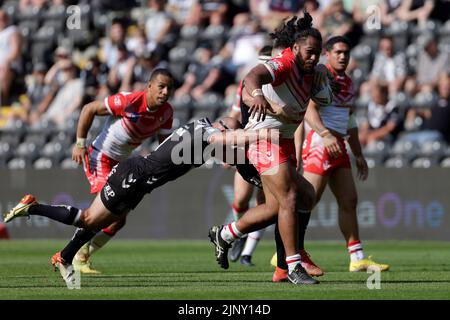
<point>216,36</point>
<point>434,150</point>
<point>68,163</point>
<point>43,163</point>
<point>406,150</point>
<point>53,151</point>
<point>5,153</point>
<point>398,30</point>
<point>376,153</point>
<point>363,55</point>
<point>444,33</point>
<point>17,163</point>
<point>445,163</point>
<point>371,37</point>
<point>430,26</point>
<point>43,44</point>
<point>396,162</point>
<point>178,62</point>
<point>44,29</point>
<point>423,162</point>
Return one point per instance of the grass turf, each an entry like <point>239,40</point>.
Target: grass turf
<point>181,270</point>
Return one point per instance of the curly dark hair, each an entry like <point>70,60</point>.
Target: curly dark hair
<point>294,30</point>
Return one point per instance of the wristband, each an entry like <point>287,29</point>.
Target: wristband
<point>257,92</point>
<point>81,143</point>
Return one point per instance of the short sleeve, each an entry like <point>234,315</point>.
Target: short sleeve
<point>279,68</point>
<point>116,104</point>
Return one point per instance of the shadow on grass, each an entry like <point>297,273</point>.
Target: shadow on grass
<point>151,281</point>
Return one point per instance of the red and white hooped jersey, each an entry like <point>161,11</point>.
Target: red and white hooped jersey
<point>336,115</point>
<point>289,87</point>
<point>130,123</point>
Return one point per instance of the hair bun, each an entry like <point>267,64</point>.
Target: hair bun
<point>305,22</point>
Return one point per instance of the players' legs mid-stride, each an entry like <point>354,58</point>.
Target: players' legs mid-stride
<point>287,195</point>
<point>243,192</point>
<point>254,237</point>
<point>81,260</point>
<point>319,183</point>
<point>255,218</point>
<point>343,187</point>
<point>88,221</point>
<point>245,246</point>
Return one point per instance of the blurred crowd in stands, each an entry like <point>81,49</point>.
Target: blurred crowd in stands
<point>54,58</point>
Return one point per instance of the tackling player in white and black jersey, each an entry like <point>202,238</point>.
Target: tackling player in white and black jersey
<point>186,148</point>
<point>183,150</point>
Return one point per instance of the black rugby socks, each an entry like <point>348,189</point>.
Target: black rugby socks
<point>64,214</point>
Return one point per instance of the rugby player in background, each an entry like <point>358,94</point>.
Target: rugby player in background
<point>133,117</point>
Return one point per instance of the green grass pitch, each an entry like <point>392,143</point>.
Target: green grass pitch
<point>186,270</point>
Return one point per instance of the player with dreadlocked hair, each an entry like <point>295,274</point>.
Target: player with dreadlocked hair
<point>283,37</point>
<point>326,162</point>
<point>286,82</point>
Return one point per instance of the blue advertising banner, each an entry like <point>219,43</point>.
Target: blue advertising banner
<point>393,204</point>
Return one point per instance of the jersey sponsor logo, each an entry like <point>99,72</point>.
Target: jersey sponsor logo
<point>256,181</point>
<point>117,101</point>
<point>127,182</point>
<point>108,192</point>
<point>274,65</point>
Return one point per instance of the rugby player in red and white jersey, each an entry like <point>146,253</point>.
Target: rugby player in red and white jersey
<point>133,117</point>
<point>283,83</point>
<point>326,161</point>
<point>244,247</point>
